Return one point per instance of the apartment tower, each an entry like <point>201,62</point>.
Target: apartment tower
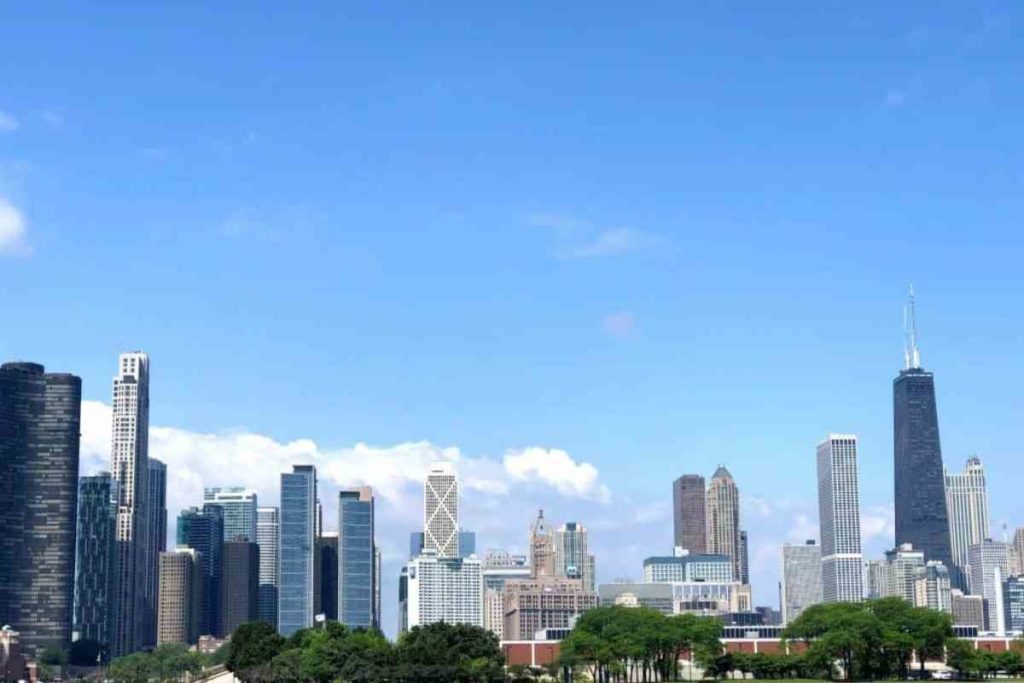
<point>967,502</point>
<point>839,519</point>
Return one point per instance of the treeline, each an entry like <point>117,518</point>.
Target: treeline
<point>168,662</point>
<point>429,654</point>
<point>638,644</point>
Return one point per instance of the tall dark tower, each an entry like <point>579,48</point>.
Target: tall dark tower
<point>40,415</point>
<point>921,515</point>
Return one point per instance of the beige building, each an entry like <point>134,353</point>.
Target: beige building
<point>723,519</point>
<point>545,603</point>
<point>181,597</point>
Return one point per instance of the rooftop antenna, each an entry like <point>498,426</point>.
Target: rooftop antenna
<point>911,354</point>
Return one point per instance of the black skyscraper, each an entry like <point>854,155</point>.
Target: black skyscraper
<point>94,572</point>
<point>40,416</point>
<point>204,531</point>
<point>921,516</point>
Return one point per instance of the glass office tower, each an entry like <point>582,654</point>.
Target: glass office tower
<point>298,549</point>
<point>356,558</point>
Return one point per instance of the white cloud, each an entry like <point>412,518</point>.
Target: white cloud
<point>620,324</point>
<point>12,229</point>
<point>577,238</point>
<point>7,122</point>
<point>608,243</point>
<point>557,469</point>
<point>878,522</point>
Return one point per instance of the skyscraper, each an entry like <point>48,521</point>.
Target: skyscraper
<point>203,531</point>
<point>572,556</point>
<point>129,463</point>
<point>801,579</point>
<point>967,502</point>
<point>899,571</point>
<point>298,548</point>
<point>356,588</point>
<point>441,510</point>
<point>723,519</point>
<point>40,414</point>
<point>744,576</point>
<point>839,517</point>
<point>931,587</point>
<point>181,597</point>
<point>542,548</point>
<point>94,575</point>
<point>921,516</point>
<point>268,537</point>
<point>156,543</point>
<point>688,503</point>
<point>444,589</point>
<point>988,564</point>
<point>1013,604</point>
<point>239,505</point>
<point>239,584</point>
<point>327,546</point>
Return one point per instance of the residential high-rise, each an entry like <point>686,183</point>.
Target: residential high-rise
<point>444,589</point>
<point>898,572</point>
<point>298,548</point>
<point>688,504</point>
<point>327,546</point>
<point>356,558</point>
<point>723,519</point>
<point>968,610</point>
<point>129,463</point>
<point>40,414</point>
<point>441,510</point>
<point>239,505</point>
<point>97,515</point>
<point>839,519</point>
<point>571,554</point>
<point>542,548</point>
<point>554,603</point>
<point>801,578</point>
<point>921,515</point>
<point>967,504</point>
<point>268,537</point>
<point>499,568</point>
<point>156,543</point>
<point>239,584</point>
<point>1013,604</point>
<point>988,564</point>
<point>203,531</point>
<point>181,597</point>
<point>931,587</point>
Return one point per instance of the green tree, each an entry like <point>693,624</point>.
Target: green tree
<point>252,647</point>
<point>134,668</point>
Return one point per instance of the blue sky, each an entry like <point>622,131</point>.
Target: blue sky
<point>659,238</point>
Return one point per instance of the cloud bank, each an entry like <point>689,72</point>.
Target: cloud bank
<point>13,228</point>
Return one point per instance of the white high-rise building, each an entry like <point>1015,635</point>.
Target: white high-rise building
<point>448,589</point>
<point>129,464</point>
<point>839,517</point>
<point>499,568</point>
<point>572,559</point>
<point>801,578</point>
<point>441,511</point>
<point>967,502</point>
<point>988,567</point>
<point>931,587</point>
<point>898,573</point>
<point>268,538</point>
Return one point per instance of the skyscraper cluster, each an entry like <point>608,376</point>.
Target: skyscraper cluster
<point>707,520</point>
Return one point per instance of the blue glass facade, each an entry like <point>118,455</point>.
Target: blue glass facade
<point>355,559</point>
<point>97,515</point>
<point>298,548</point>
<point>203,531</point>
<point>921,516</point>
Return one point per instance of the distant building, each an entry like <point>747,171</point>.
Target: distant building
<point>239,585</point>
<point>656,596</point>
<point>968,610</point>
<point>1013,604</point>
<point>499,568</point>
<point>13,665</point>
<point>268,537</point>
<point>542,549</point>
<point>327,556</point>
<point>839,518</point>
<point>356,575</point>
<point>702,598</point>
<point>441,510</point>
<point>97,514</point>
<point>932,587</point>
<point>181,597</point>
<point>702,567</point>
<point>240,507</point>
<point>571,554</point>
<point>40,418</point>
<point>689,498</point>
<point>296,597</point>
<point>203,531</point>
<point>467,543</point>
<point>744,576</point>
<point>899,571</point>
<point>156,543</point>
<point>769,616</point>
<point>533,605</point>
<point>967,502</point>
<point>723,519</point>
<point>448,589</point>
<point>921,515</point>
<point>988,568</point>
<point>800,586</point>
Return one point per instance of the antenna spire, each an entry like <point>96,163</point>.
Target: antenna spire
<point>911,354</point>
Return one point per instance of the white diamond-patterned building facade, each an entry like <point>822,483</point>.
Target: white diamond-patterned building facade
<point>441,511</point>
